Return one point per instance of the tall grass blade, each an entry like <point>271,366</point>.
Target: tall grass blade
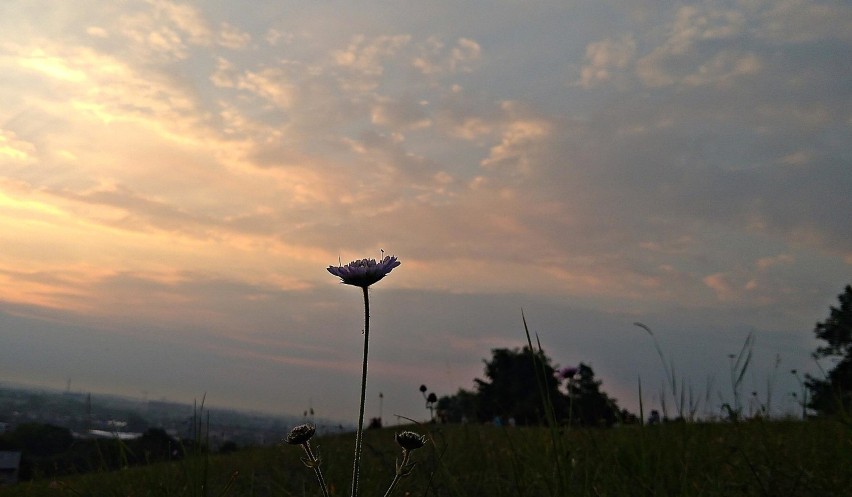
<point>547,404</point>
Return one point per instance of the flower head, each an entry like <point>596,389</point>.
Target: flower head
<point>409,440</point>
<point>364,272</point>
<point>301,434</point>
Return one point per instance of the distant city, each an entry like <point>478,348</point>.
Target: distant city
<point>99,415</point>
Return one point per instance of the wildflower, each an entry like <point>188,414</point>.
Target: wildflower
<point>409,440</point>
<point>301,434</point>
<point>364,272</point>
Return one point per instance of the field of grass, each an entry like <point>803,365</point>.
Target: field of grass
<point>758,458</point>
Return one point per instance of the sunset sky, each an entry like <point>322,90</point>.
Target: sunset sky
<point>175,177</point>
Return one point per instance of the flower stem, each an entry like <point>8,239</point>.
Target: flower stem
<point>399,472</point>
<point>315,463</point>
<point>356,470</point>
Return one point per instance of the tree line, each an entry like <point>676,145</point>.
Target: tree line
<point>521,384</point>
<point>522,387</point>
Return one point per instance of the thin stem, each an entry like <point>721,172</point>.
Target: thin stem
<point>356,470</point>
<point>400,468</point>
<point>315,466</point>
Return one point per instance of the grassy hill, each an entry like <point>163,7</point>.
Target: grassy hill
<point>778,458</point>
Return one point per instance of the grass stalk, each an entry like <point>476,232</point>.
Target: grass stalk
<point>547,404</point>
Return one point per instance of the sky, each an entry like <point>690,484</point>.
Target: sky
<point>176,176</point>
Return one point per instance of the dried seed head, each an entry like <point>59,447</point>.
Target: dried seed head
<point>409,440</point>
<point>301,434</point>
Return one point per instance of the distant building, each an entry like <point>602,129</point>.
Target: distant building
<point>10,462</point>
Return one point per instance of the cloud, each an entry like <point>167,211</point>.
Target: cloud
<point>187,19</point>
<point>518,137</point>
<point>232,37</point>
<point>400,113</point>
<point>205,162</point>
<point>435,57</point>
<point>15,150</point>
<point>271,84</point>
<point>695,34</point>
<point>605,59</point>
<point>366,56</point>
<point>767,262</point>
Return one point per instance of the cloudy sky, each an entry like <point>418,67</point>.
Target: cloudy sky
<point>175,176</point>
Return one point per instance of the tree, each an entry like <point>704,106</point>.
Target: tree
<point>834,392</point>
<point>511,390</point>
<point>458,408</point>
<point>590,406</point>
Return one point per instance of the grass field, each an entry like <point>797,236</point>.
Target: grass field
<point>758,458</point>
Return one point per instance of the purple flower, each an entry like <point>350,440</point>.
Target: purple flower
<point>566,373</point>
<point>364,272</point>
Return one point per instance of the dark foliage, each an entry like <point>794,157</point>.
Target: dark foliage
<point>510,392</point>
<point>833,393</point>
<point>38,439</point>
<point>458,408</point>
<point>48,450</point>
<point>589,406</point>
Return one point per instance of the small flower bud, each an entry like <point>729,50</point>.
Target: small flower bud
<point>409,440</point>
<point>301,434</point>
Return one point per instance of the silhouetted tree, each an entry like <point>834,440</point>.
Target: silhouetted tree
<point>834,392</point>
<point>459,407</point>
<point>511,389</point>
<point>589,405</point>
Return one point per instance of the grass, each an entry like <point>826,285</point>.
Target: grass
<point>760,458</point>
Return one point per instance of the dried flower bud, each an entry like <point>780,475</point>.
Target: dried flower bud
<point>301,434</point>
<point>409,440</point>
